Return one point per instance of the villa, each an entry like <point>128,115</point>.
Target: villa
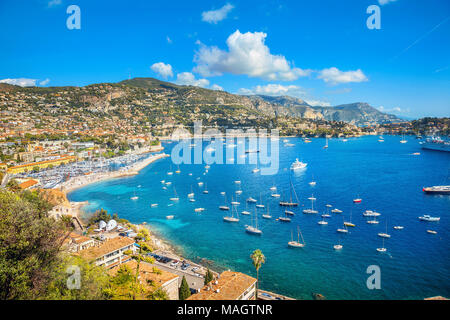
<point>110,252</point>
<point>153,279</point>
<point>229,285</point>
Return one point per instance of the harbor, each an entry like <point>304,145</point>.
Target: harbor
<point>197,233</point>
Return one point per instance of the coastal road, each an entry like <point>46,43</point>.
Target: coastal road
<point>194,281</point>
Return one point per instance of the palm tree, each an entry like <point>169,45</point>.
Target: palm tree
<point>258,259</point>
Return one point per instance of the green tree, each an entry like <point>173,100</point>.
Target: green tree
<point>184,292</point>
<point>208,277</point>
<point>30,243</point>
<point>93,281</point>
<point>258,259</point>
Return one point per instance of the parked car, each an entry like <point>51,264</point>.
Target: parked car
<point>174,263</point>
<point>185,266</point>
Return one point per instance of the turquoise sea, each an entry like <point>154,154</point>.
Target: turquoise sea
<point>387,176</point>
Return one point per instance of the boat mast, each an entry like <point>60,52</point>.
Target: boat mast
<point>303,240</point>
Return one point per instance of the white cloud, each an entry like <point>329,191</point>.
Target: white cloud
<point>188,79</point>
<point>274,90</point>
<point>394,110</point>
<point>164,70</point>
<point>318,103</point>
<point>247,54</point>
<point>53,3</point>
<point>335,76</point>
<point>215,16</point>
<point>216,87</point>
<point>383,2</point>
<point>44,82</point>
<point>280,90</point>
<point>23,82</point>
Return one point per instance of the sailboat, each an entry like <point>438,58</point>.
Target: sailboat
<point>206,190</point>
<point>273,188</point>
<point>291,213</point>
<point>403,139</point>
<point>322,222</point>
<point>267,215</point>
<point>224,207</point>
<point>232,218</point>
<point>373,221</point>
<point>275,195</point>
<point>338,246</point>
<point>336,210</point>
<point>326,143</point>
<point>398,227</point>
<point>349,224</point>
<point>254,229</point>
<point>382,249</point>
<point>285,218</point>
<point>297,244</point>
<point>175,198</point>
<point>170,172</point>
<point>251,200</point>
<point>312,183</point>
<point>178,170</point>
<point>312,206</point>
<point>191,195</point>
<point>260,205</point>
<point>384,234</point>
<point>234,203</point>
<point>290,203</point>
<point>135,197</point>
<point>327,214</point>
<point>245,212</point>
<point>343,230</point>
<point>357,200</point>
<point>256,169</point>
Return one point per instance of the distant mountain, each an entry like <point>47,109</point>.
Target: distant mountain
<point>214,101</point>
<point>358,113</point>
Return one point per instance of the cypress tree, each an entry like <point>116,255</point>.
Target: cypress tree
<point>208,276</point>
<point>184,292</point>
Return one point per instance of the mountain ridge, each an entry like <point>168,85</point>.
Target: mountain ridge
<point>358,113</point>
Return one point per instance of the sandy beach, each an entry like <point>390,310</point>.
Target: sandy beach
<point>82,181</point>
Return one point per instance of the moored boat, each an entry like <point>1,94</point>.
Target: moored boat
<point>297,244</point>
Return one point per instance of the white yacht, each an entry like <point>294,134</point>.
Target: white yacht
<point>427,217</point>
<point>298,165</point>
<point>370,213</point>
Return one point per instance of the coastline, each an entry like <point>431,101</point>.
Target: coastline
<point>161,245</point>
<point>80,182</point>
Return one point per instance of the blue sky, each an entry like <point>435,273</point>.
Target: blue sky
<point>320,51</point>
